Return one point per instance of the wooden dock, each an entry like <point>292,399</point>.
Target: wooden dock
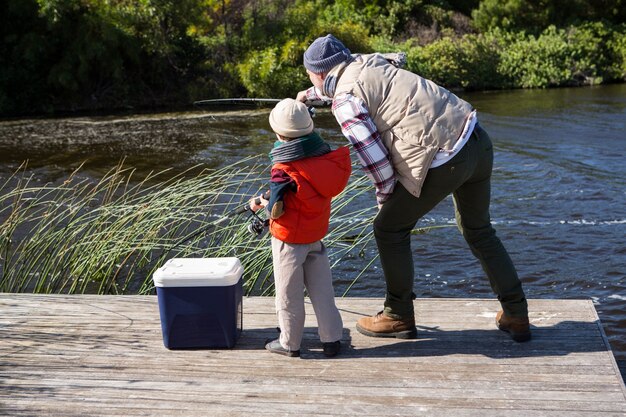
<point>104,356</point>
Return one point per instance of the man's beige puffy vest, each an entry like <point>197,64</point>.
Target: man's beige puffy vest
<point>414,116</point>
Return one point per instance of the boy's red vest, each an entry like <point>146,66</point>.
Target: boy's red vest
<point>307,211</point>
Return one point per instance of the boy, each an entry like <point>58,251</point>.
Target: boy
<point>305,176</point>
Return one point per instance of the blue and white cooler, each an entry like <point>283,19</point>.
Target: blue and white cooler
<point>200,302</point>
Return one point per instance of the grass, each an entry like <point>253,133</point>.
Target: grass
<point>109,236</point>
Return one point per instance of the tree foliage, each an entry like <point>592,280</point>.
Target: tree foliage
<point>535,16</point>
<point>102,54</point>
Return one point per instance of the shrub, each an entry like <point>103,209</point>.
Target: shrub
<point>470,62</point>
<point>483,54</point>
<point>442,62</point>
<point>596,52</point>
<point>274,72</point>
<point>618,46</point>
<point>531,62</point>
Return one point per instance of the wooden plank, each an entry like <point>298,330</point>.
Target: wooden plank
<point>104,356</point>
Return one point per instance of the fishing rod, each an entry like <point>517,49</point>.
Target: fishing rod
<point>311,104</point>
<point>248,100</point>
<point>242,100</point>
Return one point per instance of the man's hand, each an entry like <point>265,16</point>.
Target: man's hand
<point>301,96</point>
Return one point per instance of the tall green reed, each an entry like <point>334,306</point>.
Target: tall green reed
<point>109,236</point>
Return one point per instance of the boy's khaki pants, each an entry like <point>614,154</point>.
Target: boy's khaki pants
<point>296,267</point>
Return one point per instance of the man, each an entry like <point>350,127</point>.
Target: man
<point>418,143</point>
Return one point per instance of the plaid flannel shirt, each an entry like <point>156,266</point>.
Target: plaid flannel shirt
<point>358,127</point>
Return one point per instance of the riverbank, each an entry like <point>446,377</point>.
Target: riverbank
<point>62,56</point>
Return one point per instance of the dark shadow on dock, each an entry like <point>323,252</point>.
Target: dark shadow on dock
<point>559,340</point>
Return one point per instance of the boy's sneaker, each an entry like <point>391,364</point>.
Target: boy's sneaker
<point>275,347</point>
<point>331,348</point>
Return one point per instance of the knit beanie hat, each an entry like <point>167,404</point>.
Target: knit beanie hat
<point>291,118</point>
<point>324,53</point>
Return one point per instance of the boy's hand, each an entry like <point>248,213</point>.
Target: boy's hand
<point>258,203</point>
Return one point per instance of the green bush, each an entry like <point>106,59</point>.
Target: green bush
<point>97,54</point>
<point>595,53</point>
<point>530,62</point>
<point>274,72</point>
<point>618,46</point>
<point>470,62</point>
<point>442,62</point>
<point>536,16</point>
<point>585,55</point>
<point>510,15</point>
<point>354,36</point>
<point>483,54</point>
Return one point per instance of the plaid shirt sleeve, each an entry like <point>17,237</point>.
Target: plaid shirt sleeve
<point>360,130</point>
<point>314,94</point>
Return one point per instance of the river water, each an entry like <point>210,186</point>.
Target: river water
<point>558,186</point>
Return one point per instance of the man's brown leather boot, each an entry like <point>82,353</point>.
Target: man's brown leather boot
<point>381,325</point>
<point>517,327</point>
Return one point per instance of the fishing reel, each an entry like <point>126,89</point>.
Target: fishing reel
<point>257,225</point>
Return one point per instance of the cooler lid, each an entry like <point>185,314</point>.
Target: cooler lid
<point>198,272</point>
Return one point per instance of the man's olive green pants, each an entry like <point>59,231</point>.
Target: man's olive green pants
<point>467,177</point>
